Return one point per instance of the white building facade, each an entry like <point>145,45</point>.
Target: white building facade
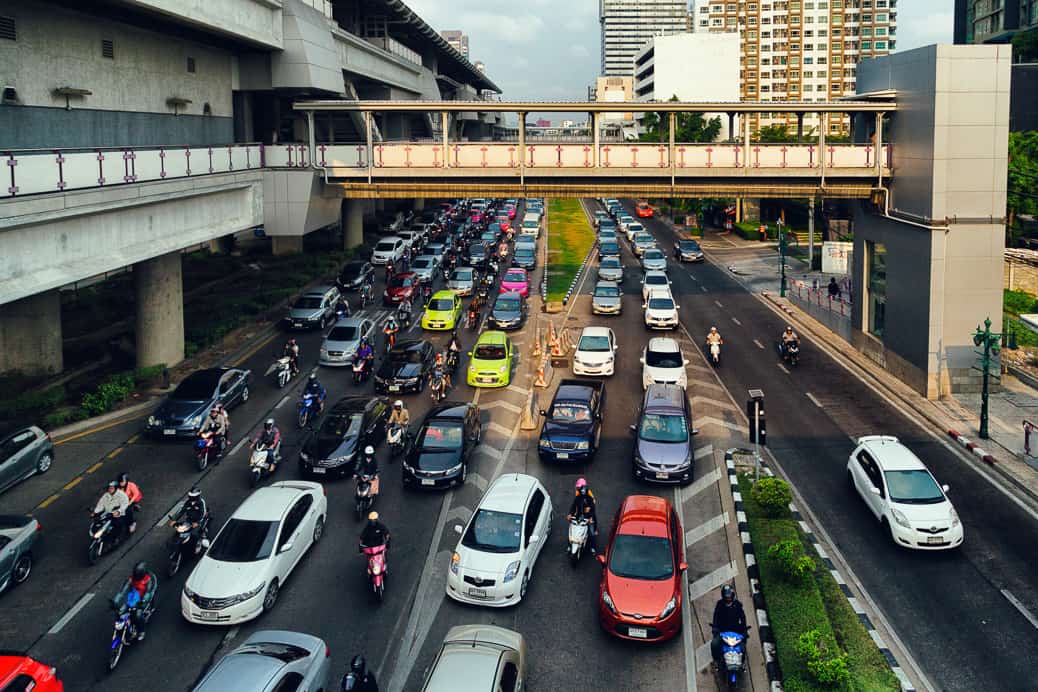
<point>628,24</point>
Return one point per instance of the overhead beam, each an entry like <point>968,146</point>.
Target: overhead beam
<point>596,106</point>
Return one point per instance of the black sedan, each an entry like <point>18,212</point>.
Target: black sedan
<point>688,251</point>
<point>509,311</point>
<point>354,274</point>
<point>350,425</point>
<point>406,368</point>
<point>440,455</point>
<point>477,254</point>
<point>184,411</point>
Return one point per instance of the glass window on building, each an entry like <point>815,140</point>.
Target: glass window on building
<point>877,287</point>
<point>881,45</point>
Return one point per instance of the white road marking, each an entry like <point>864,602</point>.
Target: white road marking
<point>735,427</point>
<point>703,656</point>
<point>704,585</point>
<point>736,320</point>
<point>700,484</point>
<point>493,453</point>
<point>813,399</point>
<point>697,400</point>
<point>497,427</point>
<point>718,304</point>
<point>235,448</point>
<point>67,617</point>
<point>686,616</point>
<point>229,637</point>
<point>693,277</point>
<point>703,288</point>
<point>759,344</point>
<point>283,401</point>
<point>478,481</point>
<point>782,368</point>
<point>703,451</point>
<point>694,535</point>
<point>1020,606</point>
<point>508,406</point>
<point>462,514</point>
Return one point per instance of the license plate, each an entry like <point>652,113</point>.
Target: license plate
<point>297,325</point>
<point>478,593</point>
<point>394,388</point>
<point>209,615</point>
<point>428,481</point>
<point>934,539</point>
<point>562,455</point>
<point>662,475</point>
<point>318,469</point>
<point>638,632</point>
<point>486,380</point>
<point>169,431</point>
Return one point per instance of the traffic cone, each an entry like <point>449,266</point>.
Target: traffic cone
<point>540,382</point>
<point>537,344</point>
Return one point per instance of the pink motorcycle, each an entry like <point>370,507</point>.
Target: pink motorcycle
<point>376,569</point>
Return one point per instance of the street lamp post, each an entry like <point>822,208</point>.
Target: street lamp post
<point>990,342</point>
<point>782,258</point>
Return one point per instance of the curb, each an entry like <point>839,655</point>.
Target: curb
<point>758,596</point>
<point>972,446</point>
<point>59,435</point>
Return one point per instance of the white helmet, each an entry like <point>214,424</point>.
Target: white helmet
<point>369,450</point>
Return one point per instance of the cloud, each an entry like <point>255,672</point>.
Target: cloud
<point>579,50</point>
<point>503,27</point>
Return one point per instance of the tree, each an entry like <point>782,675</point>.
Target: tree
<point>688,127</point>
<point>1022,188</point>
<point>773,134</point>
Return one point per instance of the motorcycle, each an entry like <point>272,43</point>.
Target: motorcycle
<point>390,338</point>
<point>376,569</point>
<point>733,647</point>
<point>185,542</point>
<point>502,250</point>
<point>578,532</point>
<point>364,496</point>
<point>452,361</point>
<point>124,631</point>
<point>105,533</point>
<point>438,387</point>
<point>308,408</point>
<point>282,369</point>
<point>205,449</point>
<point>715,354</point>
<point>258,465</point>
<point>361,369</point>
<point>403,318</point>
<point>365,294</point>
<point>791,352</point>
<point>395,440</point>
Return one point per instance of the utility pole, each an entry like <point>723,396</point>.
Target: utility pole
<point>990,342</point>
<point>782,257</point>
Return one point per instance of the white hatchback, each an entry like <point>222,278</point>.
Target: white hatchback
<point>903,495</point>
<point>596,352</point>
<point>661,312</point>
<point>240,576</point>
<point>389,249</point>
<point>499,546</point>
<point>663,363</point>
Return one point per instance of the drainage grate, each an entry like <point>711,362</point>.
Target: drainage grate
<point>108,48</point>
<point>8,30</point>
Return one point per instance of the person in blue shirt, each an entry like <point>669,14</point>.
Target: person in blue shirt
<point>315,389</point>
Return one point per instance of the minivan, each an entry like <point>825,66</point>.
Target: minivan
<point>663,436</point>
<point>531,224</point>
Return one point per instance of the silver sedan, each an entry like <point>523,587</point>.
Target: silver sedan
<point>653,259</point>
<point>611,269</point>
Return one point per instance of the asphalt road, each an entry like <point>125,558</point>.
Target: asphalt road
<point>951,610</point>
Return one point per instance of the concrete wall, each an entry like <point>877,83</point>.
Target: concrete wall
<point>55,128</point>
<point>1020,276</point>
<point>310,59</point>
<point>256,21</point>
<point>298,202</point>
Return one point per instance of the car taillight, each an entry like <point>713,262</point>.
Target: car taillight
<point>327,651</point>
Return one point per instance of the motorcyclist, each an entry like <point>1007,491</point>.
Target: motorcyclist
<point>374,534</point>
<point>114,502</point>
<point>729,616</point>
<point>270,437</point>
<point>315,389</point>
<point>502,249</point>
<point>134,495</point>
<point>365,352</point>
<point>143,584</point>
<point>714,337</point>
<point>367,465</point>
<point>194,511</point>
<point>440,371</point>
<point>473,312</point>
<point>583,505</point>
<point>788,337</point>
<point>404,310</point>
<point>390,329</point>
<point>342,305</point>
<point>291,351</point>
<point>216,426</point>
<point>453,350</point>
<point>399,416</point>
<point>359,679</point>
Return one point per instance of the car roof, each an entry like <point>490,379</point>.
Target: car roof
<point>318,290</point>
<point>508,493</point>
<point>271,502</point>
<point>660,293</point>
<point>509,294</point>
<point>391,238</point>
<point>209,375</point>
<point>594,331</point>
<point>492,336</point>
<point>891,454</point>
<point>644,514</point>
<point>603,283</point>
<point>241,672</point>
<point>404,275</point>
<point>443,293</point>
<point>349,321</point>
<point>515,270</point>
<point>667,396</point>
<point>657,273</point>
<point>448,410</point>
<point>350,404</point>
<point>408,345</point>
<point>663,344</point>
<point>464,668</point>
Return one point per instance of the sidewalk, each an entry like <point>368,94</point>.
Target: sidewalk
<point>1014,402</point>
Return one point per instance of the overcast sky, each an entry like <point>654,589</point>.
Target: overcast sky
<point>548,50</point>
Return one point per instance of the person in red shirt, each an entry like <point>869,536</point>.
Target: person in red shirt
<point>135,496</point>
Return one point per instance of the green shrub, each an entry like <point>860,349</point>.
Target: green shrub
<point>108,394</point>
<point>148,374</point>
<point>824,661</point>
<point>773,496</point>
<point>32,402</point>
<point>1018,302</point>
<point>790,555</point>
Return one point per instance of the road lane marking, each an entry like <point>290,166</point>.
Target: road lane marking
<point>115,452</point>
<point>734,427</point>
<point>106,426</point>
<point>703,656</point>
<point>1020,606</point>
<point>736,320</point>
<point>693,277</point>
<point>67,617</point>
<point>704,585</point>
<point>231,634</point>
<point>508,406</point>
<point>497,427</point>
<point>700,484</point>
<point>252,351</point>
<point>236,447</point>
<point>697,400</point>
<point>759,344</point>
<point>48,501</point>
<point>813,399</point>
<point>782,368</point>
<point>478,481</point>
<point>95,467</point>
<point>694,535</point>
<point>718,304</point>
<point>283,401</point>
<point>73,483</point>
<point>703,288</point>
<point>133,439</point>
<point>686,616</point>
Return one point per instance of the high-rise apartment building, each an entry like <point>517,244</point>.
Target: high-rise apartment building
<point>993,21</point>
<point>801,50</point>
<point>458,40</point>
<point>628,24</point>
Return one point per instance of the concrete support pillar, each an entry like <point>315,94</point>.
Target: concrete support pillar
<point>731,126</point>
<point>160,310</point>
<point>30,335</point>
<point>380,205</point>
<point>221,245</point>
<point>751,209</point>
<point>352,223</point>
<point>800,127</point>
<point>286,244</point>
<point>419,203</point>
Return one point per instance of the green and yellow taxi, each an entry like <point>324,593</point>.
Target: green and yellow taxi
<point>442,311</point>
<point>490,363</point>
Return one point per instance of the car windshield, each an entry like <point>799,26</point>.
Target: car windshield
<point>341,425</point>
<point>593,343</point>
<point>655,279</point>
<point>689,245</point>
<point>515,277</point>
<point>653,255</point>
<point>194,389</point>
<point>400,281</point>
<point>494,532</point>
<point>441,304</point>
<point>663,359</point>
<point>916,487</point>
<point>344,334</point>
<point>507,305</point>
<point>530,224</point>
<point>385,246</point>
<point>243,540</point>
<point>607,292</point>
<point>570,413</point>
<point>657,428</point>
<point>477,250</point>
<point>286,653</point>
<point>308,303</point>
<point>462,275</point>
<point>610,263</point>
<point>437,435</point>
<point>524,252</point>
<point>641,557</point>
<point>641,238</point>
<point>635,227</point>
<point>610,249</point>
<point>413,355</point>
<point>661,304</point>
<point>489,351</point>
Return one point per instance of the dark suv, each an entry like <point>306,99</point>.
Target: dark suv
<point>663,437</point>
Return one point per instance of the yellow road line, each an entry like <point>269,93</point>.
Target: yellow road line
<point>73,483</point>
<point>133,439</point>
<point>106,426</point>
<point>115,452</point>
<point>95,467</point>
<point>46,502</point>
<point>252,351</point>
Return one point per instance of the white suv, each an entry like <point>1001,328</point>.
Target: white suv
<point>903,495</point>
<point>661,312</point>
<point>389,249</point>
<point>663,363</point>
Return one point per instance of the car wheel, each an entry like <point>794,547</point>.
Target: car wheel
<point>244,394</point>
<point>43,465</point>
<point>524,586</point>
<point>272,596</point>
<point>318,530</point>
<point>22,568</point>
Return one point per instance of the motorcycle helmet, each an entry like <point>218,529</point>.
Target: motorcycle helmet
<point>269,424</point>
<point>214,413</point>
<point>369,450</point>
<point>727,593</point>
<point>398,404</point>
<point>313,377</point>
<point>373,516</point>
<point>124,478</point>
<point>291,341</point>
<point>358,665</point>
<point>112,485</point>
<point>582,486</point>
<point>140,570</point>
<point>713,329</point>
<point>194,493</point>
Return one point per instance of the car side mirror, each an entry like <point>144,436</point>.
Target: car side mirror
<point>644,305</point>
<point>945,487</point>
<point>601,558</point>
<point>543,412</point>
<point>683,566</point>
<point>632,428</point>
<point>642,361</point>
<point>470,354</point>
<point>874,490</point>
<point>458,529</point>
<point>677,307</point>
<point>685,362</point>
<point>286,547</point>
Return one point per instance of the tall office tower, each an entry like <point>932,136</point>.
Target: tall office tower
<point>993,21</point>
<point>458,40</point>
<point>801,50</point>
<point>628,24</point>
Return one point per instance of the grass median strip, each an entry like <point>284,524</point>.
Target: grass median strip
<point>818,637</point>
<point>570,236</point>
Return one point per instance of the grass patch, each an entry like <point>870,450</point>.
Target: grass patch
<point>1014,304</point>
<point>796,607</point>
<point>570,236</point>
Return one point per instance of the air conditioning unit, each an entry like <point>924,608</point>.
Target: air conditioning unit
<point>9,96</point>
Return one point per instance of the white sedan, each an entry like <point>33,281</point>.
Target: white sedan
<point>654,280</point>
<point>495,557</point>
<point>663,363</point>
<point>903,495</point>
<point>596,352</point>
<point>240,576</point>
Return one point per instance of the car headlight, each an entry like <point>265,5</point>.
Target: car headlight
<point>511,571</point>
<point>152,421</point>
<point>900,518</point>
<point>544,443</point>
<point>194,421</point>
<point>669,608</point>
<point>324,351</point>
<point>189,593</point>
<point>304,456</point>
<point>242,597</point>
<point>583,444</point>
<point>411,380</point>
<point>455,560</point>
<point>954,517</point>
<point>608,600</point>
<point>453,470</point>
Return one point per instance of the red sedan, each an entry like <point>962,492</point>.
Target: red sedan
<point>400,286</point>
<point>24,673</point>
<point>640,595</point>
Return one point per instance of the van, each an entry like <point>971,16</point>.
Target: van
<point>531,224</point>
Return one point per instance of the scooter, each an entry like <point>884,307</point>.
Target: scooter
<point>361,369</point>
<point>578,532</point>
<point>308,406</point>
<point>364,496</point>
<point>791,353</point>
<point>104,533</point>
<point>733,647</point>
<point>403,318</point>
<point>376,569</point>
<point>124,631</point>
<point>390,338</point>
<point>396,439</point>
<point>452,361</point>
<point>715,354</point>
<point>205,449</point>
<point>184,542</point>
<point>282,367</point>
<point>258,465</point>
<point>365,294</point>
<point>438,387</point>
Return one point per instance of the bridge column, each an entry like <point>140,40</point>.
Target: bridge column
<point>160,310</point>
<point>593,119</point>
<point>800,127</point>
<point>353,223</point>
<point>286,244</point>
<point>731,126</point>
<point>30,335</point>
<point>419,203</point>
